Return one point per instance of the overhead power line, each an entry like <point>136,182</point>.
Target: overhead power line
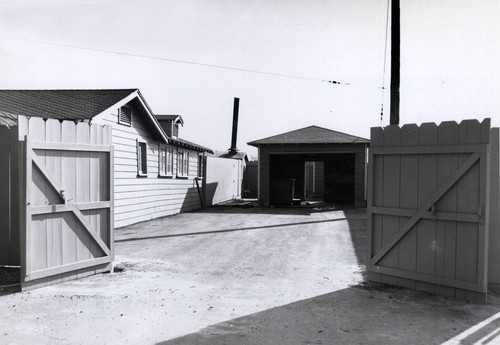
<point>203,64</point>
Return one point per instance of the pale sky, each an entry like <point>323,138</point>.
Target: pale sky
<point>450,60</point>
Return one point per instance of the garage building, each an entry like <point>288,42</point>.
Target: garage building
<point>312,164</point>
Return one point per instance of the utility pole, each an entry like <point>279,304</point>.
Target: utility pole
<point>395,61</point>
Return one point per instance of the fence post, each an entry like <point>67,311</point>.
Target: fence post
<point>24,180</point>
<point>5,198</point>
<point>15,172</point>
<point>494,254</point>
<point>204,181</point>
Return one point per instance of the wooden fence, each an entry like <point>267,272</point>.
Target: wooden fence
<point>64,202</point>
<point>251,180</point>
<point>223,180</point>
<point>428,207</point>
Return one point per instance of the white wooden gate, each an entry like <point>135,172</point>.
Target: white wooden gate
<point>66,200</point>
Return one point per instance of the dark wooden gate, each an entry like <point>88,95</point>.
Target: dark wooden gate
<point>428,207</point>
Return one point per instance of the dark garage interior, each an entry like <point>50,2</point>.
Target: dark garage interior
<point>330,177</point>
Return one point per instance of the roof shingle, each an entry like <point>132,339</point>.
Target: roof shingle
<point>311,135</point>
<point>60,104</point>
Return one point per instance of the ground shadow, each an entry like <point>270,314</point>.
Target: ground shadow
<point>357,315</point>
<point>208,232</point>
<point>238,207</point>
<point>356,217</point>
<point>10,280</point>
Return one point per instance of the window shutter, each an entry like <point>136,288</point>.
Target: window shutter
<point>144,158</point>
<point>125,115</point>
<point>161,160</point>
<point>139,164</point>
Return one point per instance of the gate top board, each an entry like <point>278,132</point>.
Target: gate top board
<point>66,211</point>
<point>428,207</point>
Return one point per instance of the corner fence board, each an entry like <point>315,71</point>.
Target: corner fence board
<point>66,200</point>
<point>428,207</point>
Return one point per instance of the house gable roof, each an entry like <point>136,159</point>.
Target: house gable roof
<point>78,105</point>
<point>61,104</point>
<point>173,118</point>
<point>311,135</point>
<point>73,105</point>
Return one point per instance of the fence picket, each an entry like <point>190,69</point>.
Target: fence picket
<point>39,244</point>
<point>446,230</point>
<point>408,200</point>
<point>82,190</point>
<point>427,184</point>
<point>95,189</point>
<point>377,194</point>
<point>53,165</point>
<point>69,222</point>
<point>468,201</point>
<point>390,198</point>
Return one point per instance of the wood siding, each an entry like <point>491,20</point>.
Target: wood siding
<point>359,150</point>
<point>144,198</point>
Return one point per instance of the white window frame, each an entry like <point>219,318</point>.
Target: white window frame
<point>165,161</point>
<point>131,114</point>
<point>141,159</point>
<point>183,164</point>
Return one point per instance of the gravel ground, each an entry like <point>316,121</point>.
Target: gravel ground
<point>240,276</point>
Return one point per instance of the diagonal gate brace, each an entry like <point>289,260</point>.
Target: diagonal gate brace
<point>425,207</point>
<point>79,215</point>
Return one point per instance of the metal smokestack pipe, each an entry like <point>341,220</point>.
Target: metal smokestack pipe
<point>236,107</point>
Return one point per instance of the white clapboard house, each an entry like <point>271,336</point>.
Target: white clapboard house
<point>155,171</point>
